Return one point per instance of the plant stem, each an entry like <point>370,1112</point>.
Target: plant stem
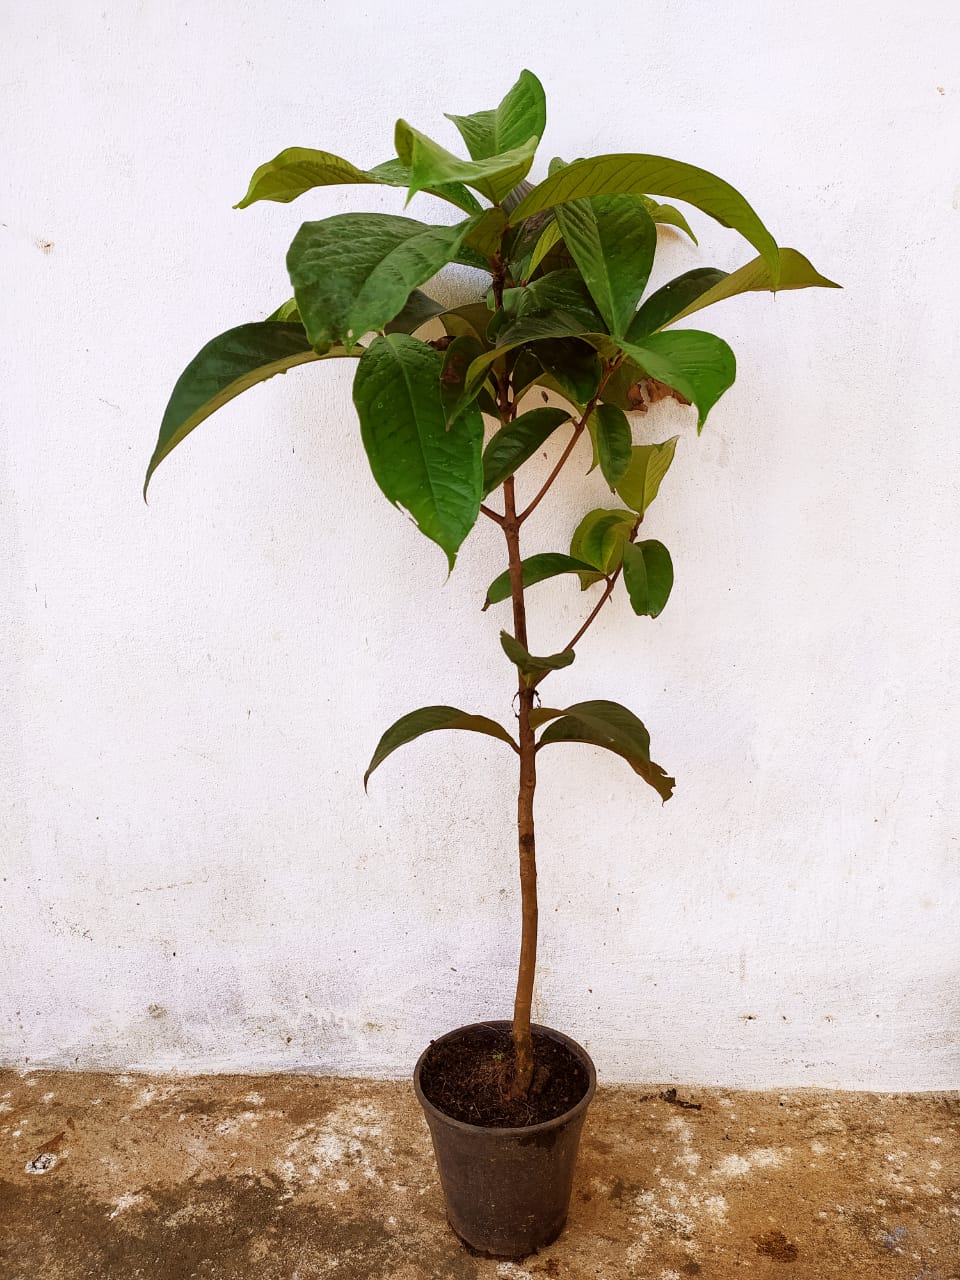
<point>522,1039</point>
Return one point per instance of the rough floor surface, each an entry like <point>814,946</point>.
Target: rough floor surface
<point>296,1178</point>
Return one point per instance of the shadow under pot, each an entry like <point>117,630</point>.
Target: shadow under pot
<point>507,1186</point>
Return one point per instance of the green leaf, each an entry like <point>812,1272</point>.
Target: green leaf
<point>299,169</point>
<point>796,272</point>
<point>472,318</point>
<point>353,273</point>
<point>535,569</point>
<point>432,165</point>
<point>417,310</point>
<point>434,473</point>
<point>656,176</point>
<point>521,115</point>
<point>598,541</point>
<point>531,668</point>
<point>287,312</point>
<point>667,216</point>
<point>613,240</point>
<point>515,443</point>
<point>649,463</point>
<point>612,441</point>
<point>457,359</point>
<point>428,720</point>
<point>228,365</point>
<point>648,576</point>
<point>547,241</point>
<point>668,303</point>
<point>698,365</point>
<point>573,365</point>
<point>609,725</point>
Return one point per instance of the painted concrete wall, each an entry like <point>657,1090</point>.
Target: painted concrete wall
<point>191,875</point>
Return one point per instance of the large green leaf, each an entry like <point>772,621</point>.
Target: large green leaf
<point>432,165</point>
<point>699,365</point>
<point>353,273</point>
<point>657,176</point>
<point>649,463</point>
<point>521,115</point>
<point>598,541</point>
<point>613,240</point>
<point>612,441</point>
<point>228,365</point>
<point>796,272</point>
<point>515,443</point>
<point>299,169</point>
<point>427,720</point>
<point>668,302</point>
<point>609,725</point>
<point>535,569</point>
<point>531,668</point>
<point>574,367</point>
<point>432,472</point>
<point>648,576</point>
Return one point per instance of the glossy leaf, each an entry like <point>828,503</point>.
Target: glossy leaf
<point>649,463</point>
<point>598,541</point>
<point>796,272</point>
<point>228,365</point>
<point>297,170</point>
<point>612,240</point>
<point>521,115</point>
<point>698,365</point>
<point>612,726</point>
<point>353,273</point>
<point>538,568</point>
<point>515,443</point>
<point>457,359</point>
<point>612,441</point>
<point>574,367</point>
<point>655,176</point>
<point>432,472</point>
<point>428,720</point>
<point>648,576</point>
<point>669,302</point>
<point>432,165</point>
<point>549,238</point>
<point>532,668</point>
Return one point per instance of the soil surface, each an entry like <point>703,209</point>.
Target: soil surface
<point>468,1075</point>
<point>126,1177</point>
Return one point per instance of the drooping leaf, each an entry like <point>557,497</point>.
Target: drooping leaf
<point>530,667</point>
<point>299,169</point>
<point>432,472</point>
<point>417,310</point>
<point>612,441</point>
<point>649,463</point>
<point>609,725</point>
<point>432,165</point>
<point>668,302</point>
<point>656,176</point>
<point>699,365</point>
<point>598,541</point>
<point>796,272</point>
<point>353,273</point>
<point>428,720</point>
<point>648,576</point>
<point>521,115</point>
<point>515,443</point>
<point>457,359</point>
<point>612,240</point>
<point>665,215</point>
<point>228,365</point>
<point>535,569</point>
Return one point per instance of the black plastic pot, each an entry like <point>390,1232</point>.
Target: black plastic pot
<point>507,1190</point>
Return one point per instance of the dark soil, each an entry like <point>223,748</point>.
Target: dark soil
<point>468,1078</point>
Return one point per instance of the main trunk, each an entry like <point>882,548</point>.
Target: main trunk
<point>523,1042</point>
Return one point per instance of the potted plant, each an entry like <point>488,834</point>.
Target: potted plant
<point>565,340</point>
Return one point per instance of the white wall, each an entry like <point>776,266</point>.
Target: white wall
<point>192,877</point>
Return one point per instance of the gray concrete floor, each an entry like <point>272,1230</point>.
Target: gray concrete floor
<point>294,1177</point>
